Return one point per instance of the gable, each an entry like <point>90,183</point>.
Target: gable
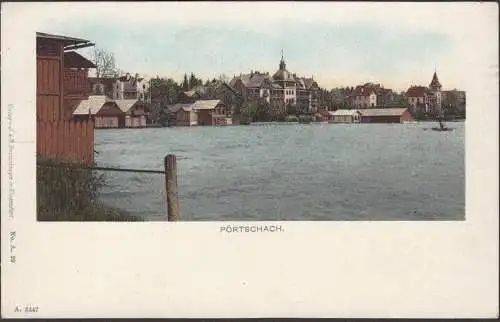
<point>110,109</point>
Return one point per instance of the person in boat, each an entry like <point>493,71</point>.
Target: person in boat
<point>441,124</point>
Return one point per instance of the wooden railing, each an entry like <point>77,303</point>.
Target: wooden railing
<point>76,83</point>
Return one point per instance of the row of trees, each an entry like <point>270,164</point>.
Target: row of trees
<point>165,92</point>
<point>340,98</point>
<point>263,111</point>
<point>448,111</point>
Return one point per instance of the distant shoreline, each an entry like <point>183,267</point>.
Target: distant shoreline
<point>277,122</point>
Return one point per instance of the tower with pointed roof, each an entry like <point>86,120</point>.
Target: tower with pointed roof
<point>435,89</point>
<point>282,62</point>
<point>285,84</point>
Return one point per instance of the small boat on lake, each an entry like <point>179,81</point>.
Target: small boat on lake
<point>442,127</point>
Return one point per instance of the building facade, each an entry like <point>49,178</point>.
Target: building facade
<point>109,113</point>
<point>385,115</point>
<point>370,95</point>
<point>128,87</point>
<point>201,112</point>
<point>435,101</point>
<point>281,89</point>
<point>428,99</point>
<point>346,116</point>
<point>121,88</point>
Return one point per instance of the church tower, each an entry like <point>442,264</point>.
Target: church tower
<point>435,88</point>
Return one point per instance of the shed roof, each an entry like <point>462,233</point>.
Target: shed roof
<point>92,105</point>
<point>344,112</point>
<point>205,104</point>
<point>68,42</point>
<point>174,108</point>
<point>126,105</point>
<point>382,111</point>
<point>72,59</point>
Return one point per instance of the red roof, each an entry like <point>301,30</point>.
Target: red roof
<point>416,91</point>
<point>323,112</point>
<point>369,88</point>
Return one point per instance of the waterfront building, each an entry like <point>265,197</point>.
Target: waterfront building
<point>370,95</point>
<point>346,116</point>
<point>429,99</point>
<point>435,102</point>
<point>385,115</point>
<point>103,111</point>
<point>134,114</point>
<point>201,112</point>
<point>371,115</point>
<point>109,113</point>
<point>282,88</point>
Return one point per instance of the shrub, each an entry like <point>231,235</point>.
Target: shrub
<point>67,193</point>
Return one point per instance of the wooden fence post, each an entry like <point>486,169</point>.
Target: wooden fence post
<point>171,187</point>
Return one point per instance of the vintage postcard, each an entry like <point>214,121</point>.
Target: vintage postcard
<point>131,131</point>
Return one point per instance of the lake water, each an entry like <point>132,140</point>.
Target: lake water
<point>291,171</point>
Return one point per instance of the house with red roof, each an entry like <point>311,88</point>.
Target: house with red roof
<point>428,99</point>
<point>370,95</point>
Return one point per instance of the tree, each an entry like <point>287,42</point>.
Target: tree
<point>164,92</point>
<point>105,63</point>
<point>192,81</point>
<point>185,83</point>
<point>248,111</point>
<point>224,78</point>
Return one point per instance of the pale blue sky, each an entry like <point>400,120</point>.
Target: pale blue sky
<point>334,53</point>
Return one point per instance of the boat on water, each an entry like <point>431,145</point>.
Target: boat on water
<point>442,127</point>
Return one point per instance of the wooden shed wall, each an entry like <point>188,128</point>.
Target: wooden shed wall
<point>57,135</point>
